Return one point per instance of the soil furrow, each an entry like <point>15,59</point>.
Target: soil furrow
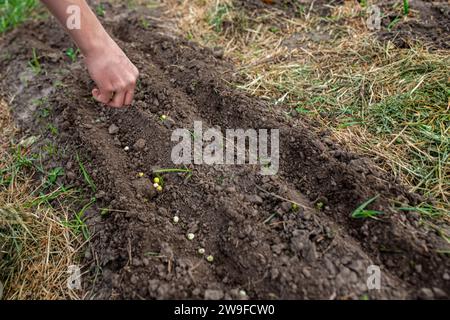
<point>260,242</point>
<point>335,179</point>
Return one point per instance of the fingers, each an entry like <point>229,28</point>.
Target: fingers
<point>118,99</point>
<point>129,97</point>
<point>131,87</point>
<point>102,96</point>
<point>119,94</point>
<point>124,94</point>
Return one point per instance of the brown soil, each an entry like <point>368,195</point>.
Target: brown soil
<point>141,253</point>
<point>427,23</point>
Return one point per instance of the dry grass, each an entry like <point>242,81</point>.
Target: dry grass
<point>385,102</point>
<point>36,248</point>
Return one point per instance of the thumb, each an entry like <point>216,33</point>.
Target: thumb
<point>101,96</point>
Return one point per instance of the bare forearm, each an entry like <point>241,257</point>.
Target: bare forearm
<point>113,73</point>
<point>91,36</point>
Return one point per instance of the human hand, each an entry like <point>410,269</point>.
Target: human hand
<point>113,73</point>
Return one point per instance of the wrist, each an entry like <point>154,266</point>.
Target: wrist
<point>95,43</point>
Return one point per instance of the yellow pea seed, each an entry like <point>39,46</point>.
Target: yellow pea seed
<point>156,180</point>
<point>159,188</point>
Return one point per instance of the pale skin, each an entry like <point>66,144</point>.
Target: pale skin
<point>114,74</point>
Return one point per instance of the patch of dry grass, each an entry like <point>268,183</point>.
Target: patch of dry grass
<point>388,103</point>
<point>36,247</point>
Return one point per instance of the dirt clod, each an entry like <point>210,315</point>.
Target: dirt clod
<point>214,294</point>
<point>113,129</point>
<point>140,144</point>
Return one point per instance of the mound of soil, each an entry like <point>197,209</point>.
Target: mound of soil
<point>260,243</point>
<point>428,22</point>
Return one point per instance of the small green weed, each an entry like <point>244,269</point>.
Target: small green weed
<point>362,213</point>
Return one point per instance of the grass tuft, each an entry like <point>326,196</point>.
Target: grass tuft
<point>36,248</point>
<point>362,213</point>
<point>14,12</point>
